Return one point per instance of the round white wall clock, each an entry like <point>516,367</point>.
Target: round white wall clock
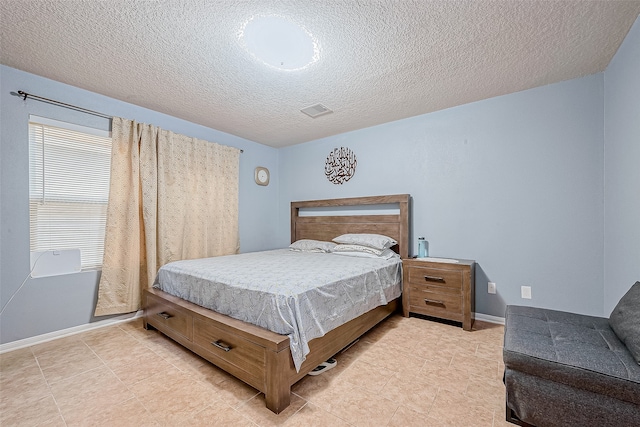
<point>262,176</point>
<point>340,165</point>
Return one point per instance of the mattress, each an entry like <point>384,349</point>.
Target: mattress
<point>299,294</point>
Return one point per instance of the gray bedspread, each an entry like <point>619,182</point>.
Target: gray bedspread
<point>299,294</point>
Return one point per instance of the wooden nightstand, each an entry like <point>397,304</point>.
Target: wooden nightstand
<point>439,289</point>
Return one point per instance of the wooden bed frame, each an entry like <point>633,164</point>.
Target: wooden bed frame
<point>262,358</point>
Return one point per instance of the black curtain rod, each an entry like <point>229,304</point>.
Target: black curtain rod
<point>24,95</point>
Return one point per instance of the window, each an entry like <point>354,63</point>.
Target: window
<point>68,188</point>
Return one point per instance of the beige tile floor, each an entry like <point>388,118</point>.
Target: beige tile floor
<point>404,372</point>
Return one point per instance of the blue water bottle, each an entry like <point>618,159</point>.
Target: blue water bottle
<point>422,248</point>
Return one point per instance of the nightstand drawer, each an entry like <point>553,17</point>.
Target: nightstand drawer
<point>426,300</point>
<point>436,277</point>
<point>439,289</point>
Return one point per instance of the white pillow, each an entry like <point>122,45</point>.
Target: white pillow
<point>357,248</point>
<point>377,241</point>
<point>385,254</point>
<point>308,245</point>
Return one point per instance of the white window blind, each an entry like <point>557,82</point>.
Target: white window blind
<point>68,188</point>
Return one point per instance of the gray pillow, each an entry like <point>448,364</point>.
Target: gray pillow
<point>625,320</point>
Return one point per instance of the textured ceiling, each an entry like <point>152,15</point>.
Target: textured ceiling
<point>379,60</point>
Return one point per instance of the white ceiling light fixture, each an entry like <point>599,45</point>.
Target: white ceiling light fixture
<point>279,43</point>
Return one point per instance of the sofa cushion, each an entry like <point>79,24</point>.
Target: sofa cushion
<point>572,349</point>
<point>625,320</point>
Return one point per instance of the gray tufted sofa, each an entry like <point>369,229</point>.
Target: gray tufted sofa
<point>565,369</point>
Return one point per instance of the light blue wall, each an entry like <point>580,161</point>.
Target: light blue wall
<point>50,304</point>
<point>514,182</point>
<point>540,187</point>
<point>622,170</point>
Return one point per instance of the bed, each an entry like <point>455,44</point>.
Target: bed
<point>258,356</point>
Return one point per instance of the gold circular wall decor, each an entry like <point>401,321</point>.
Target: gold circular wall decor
<point>340,165</point>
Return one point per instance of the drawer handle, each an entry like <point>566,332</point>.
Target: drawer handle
<point>221,345</point>
<point>164,315</point>
<point>434,278</point>
<point>433,301</point>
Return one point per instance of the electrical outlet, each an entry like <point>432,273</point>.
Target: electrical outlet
<point>525,292</point>
<point>491,288</point>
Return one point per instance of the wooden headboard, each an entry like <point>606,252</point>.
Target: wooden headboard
<point>320,227</point>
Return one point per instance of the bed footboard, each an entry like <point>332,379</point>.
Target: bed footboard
<point>250,353</point>
<point>258,357</point>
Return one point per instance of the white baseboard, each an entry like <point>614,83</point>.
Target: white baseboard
<point>39,339</point>
<point>28,342</point>
<point>490,319</point>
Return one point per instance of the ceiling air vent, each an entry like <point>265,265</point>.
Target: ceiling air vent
<point>316,111</point>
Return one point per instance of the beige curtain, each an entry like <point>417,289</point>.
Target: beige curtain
<point>171,197</point>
